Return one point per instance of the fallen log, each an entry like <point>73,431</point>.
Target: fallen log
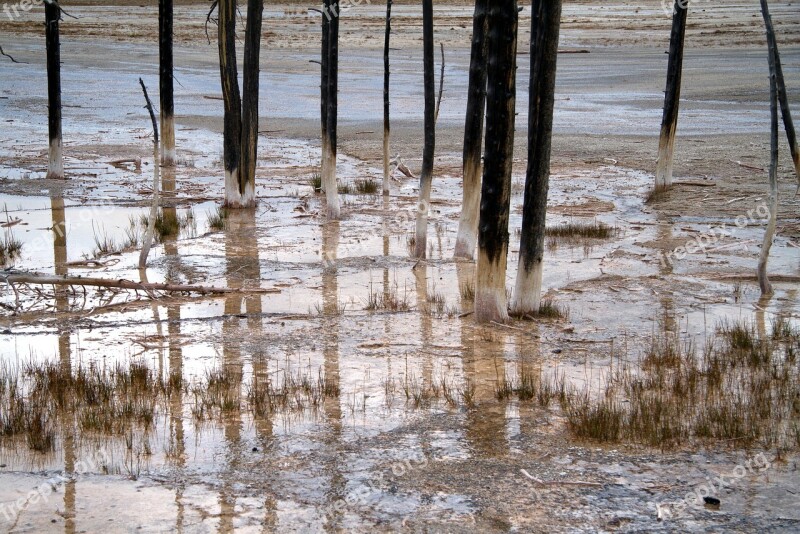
<point>42,279</point>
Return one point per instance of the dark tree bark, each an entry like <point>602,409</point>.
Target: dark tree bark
<point>769,234</point>
<point>52,16</point>
<point>672,97</point>
<point>232,128</point>
<point>331,189</point>
<point>386,126</point>
<point>473,135</point>
<point>490,287</point>
<point>323,97</point>
<point>786,113</point>
<point>165,84</point>
<point>546,22</point>
<point>250,89</point>
<point>426,175</point>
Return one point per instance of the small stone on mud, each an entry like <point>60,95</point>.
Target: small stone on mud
<point>712,502</point>
<point>557,351</point>
<point>2,466</point>
<point>6,331</point>
<point>255,449</point>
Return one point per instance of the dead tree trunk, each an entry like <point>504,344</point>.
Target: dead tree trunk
<point>546,21</point>
<point>323,97</point>
<point>426,175</point>
<point>52,16</point>
<point>331,189</point>
<point>165,84</point>
<point>769,234</point>
<point>232,126</point>
<point>250,88</point>
<point>473,136</point>
<point>147,241</point>
<point>783,99</point>
<point>669,121</point>
<point>490,287</point>
<point>386,127</point>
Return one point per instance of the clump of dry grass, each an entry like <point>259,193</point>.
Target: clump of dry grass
<point>126,399</point>
<point>581,230</point>
<point>389,300</point>
<point>743,390</point>
<point>10,248</point>
<point>366,186</point>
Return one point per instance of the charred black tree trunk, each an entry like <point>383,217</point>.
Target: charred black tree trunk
<point>386,127</point>
<point>426,175</point>
<point>165,83</point>
<point>331,190</point>
<point>546,22</point>
<point>250,87</point>
<point>763,280</point>
<point>232,128</point>
<point>323,96</point>
<point>786,113</point>
<point>473,136</point>
<point>672,97</point>
<point>52,15</point>
<point>490,287</point>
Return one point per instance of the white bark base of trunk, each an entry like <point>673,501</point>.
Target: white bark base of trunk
<point>167,141</point>
<point>331,189</point>
<point>234,199</point>
<point>528,290</point>
<point>664,165</point>
<point>467,237</point>
<point>763,279</point>
<point>55,166</point>
<point>490,291</point>
<point>385,163</point>
<point>421,234</point>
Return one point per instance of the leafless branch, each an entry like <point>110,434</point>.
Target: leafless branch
<point>2,53</point>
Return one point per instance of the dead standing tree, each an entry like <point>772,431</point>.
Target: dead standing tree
<point>769,234</point>
<point>780,86</point>
<point>473,136</point>
<point>490,287</point>
<point>52,16</point>
<point>426,175</point>
<point>386,127</point>
<point>546,21</point>
<point>165,83</point>
<point>331,12</point>
<point>240,138</point>
<point>672,96</point>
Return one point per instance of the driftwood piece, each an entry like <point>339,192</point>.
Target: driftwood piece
<point>43,279</point>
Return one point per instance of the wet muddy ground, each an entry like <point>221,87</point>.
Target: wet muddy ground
<point>415,437</point>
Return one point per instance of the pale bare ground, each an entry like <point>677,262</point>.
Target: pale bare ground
<point>616,290</point>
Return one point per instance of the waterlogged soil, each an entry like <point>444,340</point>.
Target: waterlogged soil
<point>373,458</point>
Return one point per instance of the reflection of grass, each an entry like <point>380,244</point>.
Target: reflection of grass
<point>216,220</point>
<point>743,389</point>
<point>10,248</point>
<point>387,300</point>
<point>124,400</point>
